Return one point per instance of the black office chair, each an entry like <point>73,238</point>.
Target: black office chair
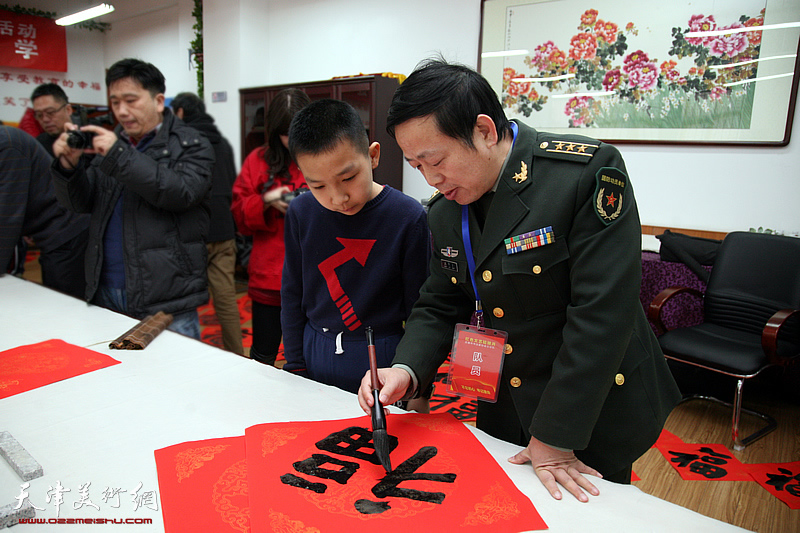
<point>751,317</point>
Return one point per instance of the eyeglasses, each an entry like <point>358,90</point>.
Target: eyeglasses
<point>48,112</point>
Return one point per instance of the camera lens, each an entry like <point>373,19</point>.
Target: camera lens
<point>79,140</point>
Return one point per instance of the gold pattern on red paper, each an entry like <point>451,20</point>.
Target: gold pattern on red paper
<point>190,460</point>
<point>283,524</point>
<point>24,363</point>
<point>230,488</point>
<point>497,505</point>
<point>434,424</point>
<point>8,383</point>
<point>274,439</point>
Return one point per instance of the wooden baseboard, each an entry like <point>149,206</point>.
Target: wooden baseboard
<point>658,230</point>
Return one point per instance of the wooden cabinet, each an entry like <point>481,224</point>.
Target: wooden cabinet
<point>369,95</point>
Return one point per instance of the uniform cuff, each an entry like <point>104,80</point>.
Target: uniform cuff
<point>411,392</point>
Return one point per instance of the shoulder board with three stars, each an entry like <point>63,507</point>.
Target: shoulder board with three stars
<point>568,149</point>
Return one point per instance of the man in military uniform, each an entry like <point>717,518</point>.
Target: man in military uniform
<point>556,240</point>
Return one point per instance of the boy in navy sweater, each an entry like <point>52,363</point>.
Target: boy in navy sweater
<point>356,251</point>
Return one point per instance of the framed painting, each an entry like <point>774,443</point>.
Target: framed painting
<point>683,72</point>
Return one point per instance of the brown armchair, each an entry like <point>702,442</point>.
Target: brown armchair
<point>751,315</point>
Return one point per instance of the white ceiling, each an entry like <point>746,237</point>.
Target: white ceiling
<point>123,8</point>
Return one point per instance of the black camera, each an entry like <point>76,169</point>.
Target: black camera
<point>291,195</point>
<point>80,140</point>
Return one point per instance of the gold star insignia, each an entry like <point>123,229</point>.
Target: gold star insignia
<point>581,148</point>
<point>522,175</point>
<point>570,146</point>
<point>559,146</point>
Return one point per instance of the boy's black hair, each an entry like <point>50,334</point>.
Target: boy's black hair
<point>50,89</point>
<point>191,104</point>
<point>454,94</point>
<point>321,126</point>
<point>282,109</point>
<point>146,74</point>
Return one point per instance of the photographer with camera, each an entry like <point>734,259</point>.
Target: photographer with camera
<point>147,190</point>
<point>52,110</point>
<point>268,182</point>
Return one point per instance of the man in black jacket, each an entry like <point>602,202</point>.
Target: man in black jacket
<point>221,243</point>
<point>147,190</point>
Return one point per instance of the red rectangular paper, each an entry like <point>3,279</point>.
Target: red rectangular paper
<point>709,462</point>
<point>204,486</point>
<point>34,365</point>
<point>28,41</point>
<point>782,480</point>
<point>309,476</point>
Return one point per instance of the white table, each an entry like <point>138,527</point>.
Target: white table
<point>103,427</point>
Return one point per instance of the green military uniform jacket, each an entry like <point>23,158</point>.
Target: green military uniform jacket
<point>583,369</point>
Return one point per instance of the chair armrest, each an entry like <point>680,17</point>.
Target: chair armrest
<point>654,310</point>
<point>769,336</point>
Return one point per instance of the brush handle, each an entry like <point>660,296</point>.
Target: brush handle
<point>373,368</point>
<point>373,360</point>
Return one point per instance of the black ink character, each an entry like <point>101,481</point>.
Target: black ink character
<point>782,481</point>
<point>350,441</point>
<point>388,486</point>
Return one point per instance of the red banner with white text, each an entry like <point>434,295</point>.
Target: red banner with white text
<point>27,41</point>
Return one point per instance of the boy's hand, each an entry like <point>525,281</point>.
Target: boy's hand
<point>394,384</point>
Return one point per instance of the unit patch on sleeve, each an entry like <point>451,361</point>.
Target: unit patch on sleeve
<point>609,194</point>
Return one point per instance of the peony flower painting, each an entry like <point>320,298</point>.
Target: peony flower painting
<point>644,65</point>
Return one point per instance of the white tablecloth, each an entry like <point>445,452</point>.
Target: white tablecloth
<point>102,427</point>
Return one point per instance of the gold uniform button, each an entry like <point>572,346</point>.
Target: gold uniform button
<point>454,280</point>
<point>619,379</point>
<point>543,145</point>
<point>516,382</point>
<point>507,349</point>
<point>498,312</point>
<point>487,276</point>
<point>537,269</point>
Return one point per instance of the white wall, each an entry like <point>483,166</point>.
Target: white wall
<point>160,37</point>
<point>250,43</point>
<point>718,188</point>
<point>261,42</point>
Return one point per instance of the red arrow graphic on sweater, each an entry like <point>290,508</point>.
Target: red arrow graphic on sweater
<point>357,249</point>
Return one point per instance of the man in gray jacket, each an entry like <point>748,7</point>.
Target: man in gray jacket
<point>147,191</point>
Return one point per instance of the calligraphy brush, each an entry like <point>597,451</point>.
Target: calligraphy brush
<point>380,438</point>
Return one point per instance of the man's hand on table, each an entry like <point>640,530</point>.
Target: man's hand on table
<point>555,467</point>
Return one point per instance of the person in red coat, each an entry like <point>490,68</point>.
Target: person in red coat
<point>259,204</point>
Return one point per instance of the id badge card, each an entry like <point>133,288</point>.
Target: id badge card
<point>476,362</point>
